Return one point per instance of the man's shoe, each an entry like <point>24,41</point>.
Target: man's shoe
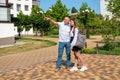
<point>57,69</point>
<point>73,69</point>
<point>83,68</point>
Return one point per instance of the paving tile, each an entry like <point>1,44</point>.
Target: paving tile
<point>40,65</point>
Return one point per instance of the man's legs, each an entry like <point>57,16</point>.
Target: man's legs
<point>68,56</point>
<point>60,53</point>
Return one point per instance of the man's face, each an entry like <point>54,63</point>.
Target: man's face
<point>66,20</point>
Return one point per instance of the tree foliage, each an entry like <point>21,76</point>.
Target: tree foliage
<point>59,11</point>
<point>19,22</point>
<point>114,7</point>
<point>110,31</point>
<point>87,17</point>
<point>37,20</point>
<point>74,10</point>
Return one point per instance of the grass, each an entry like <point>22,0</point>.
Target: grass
<point>31,44</point>
<point>115,51</point>
<point>52,36</point>
<point>92,38</point>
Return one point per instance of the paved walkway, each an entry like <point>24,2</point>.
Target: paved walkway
<point>40,65</point>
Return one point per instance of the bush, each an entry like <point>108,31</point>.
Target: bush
<point>109,46</point>
<point>89,51</point>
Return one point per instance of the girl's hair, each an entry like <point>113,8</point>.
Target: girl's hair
<point>74,20</point>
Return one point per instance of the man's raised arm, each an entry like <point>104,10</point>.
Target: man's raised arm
<point>51,20</point>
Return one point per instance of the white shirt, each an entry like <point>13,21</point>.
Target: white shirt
<point>75,36</point>
<point>64,32</point>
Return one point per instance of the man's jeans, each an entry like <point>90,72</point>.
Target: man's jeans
<point>60,53</point>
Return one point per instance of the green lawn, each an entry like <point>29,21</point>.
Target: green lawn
<point>31,44</point>
<point>52,36</point>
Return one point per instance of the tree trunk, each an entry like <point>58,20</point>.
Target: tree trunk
<point>36,32</point>
<point>19,34</point>
<point>42,33</point>
<point>87,34</point>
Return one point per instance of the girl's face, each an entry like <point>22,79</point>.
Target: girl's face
<point>72,23</point>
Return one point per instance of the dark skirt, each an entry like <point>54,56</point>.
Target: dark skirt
<point>76,49</point>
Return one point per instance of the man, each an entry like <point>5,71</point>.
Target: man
<point>64,40</point>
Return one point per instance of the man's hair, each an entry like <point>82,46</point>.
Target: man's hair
<point>68,16</point>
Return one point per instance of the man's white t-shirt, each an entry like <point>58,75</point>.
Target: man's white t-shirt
<point>64,32</point>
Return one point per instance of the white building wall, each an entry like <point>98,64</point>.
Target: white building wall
<point>103,9</point>
<point>30,32</point>
<point>6,30</point>
<point>7,34</point>
<point>22,3</point>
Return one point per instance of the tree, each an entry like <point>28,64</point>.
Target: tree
<point>74,10</point>
<point>27,23</point>
<point>22,22</point>
<point>110,32</point>
<point>114,7</point>
<point>86,16</point>
<point>112,24</point>
<point>37,20</point>
<point>59,11</point>
<point>95,24</point>
<point>19,22</point>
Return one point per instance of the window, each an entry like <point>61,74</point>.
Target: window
<point>2,2</point>
<point>18,7</point>
<point>4,14</point>
<point>26,7</point>
<point>11,6</point>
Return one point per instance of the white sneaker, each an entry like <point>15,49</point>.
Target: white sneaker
<point>83,68</point>
<point>73,69</point>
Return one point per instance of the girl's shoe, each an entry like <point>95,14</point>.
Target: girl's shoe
<point>83,68</point>
<point>73,69</point>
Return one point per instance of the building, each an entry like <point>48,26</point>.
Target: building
<point>25,6</point>
<point>6,27</point>
<point>22,5</point>
<point>103,9</point>
<point>35,2</point>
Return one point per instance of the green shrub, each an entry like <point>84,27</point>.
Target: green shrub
<point>109,46</point>
<point>89,51</point>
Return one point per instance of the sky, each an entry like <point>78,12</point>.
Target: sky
<point>93,4</point>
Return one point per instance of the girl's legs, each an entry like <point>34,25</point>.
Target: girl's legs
<point>82,61</point>
<point>76,60</point>
<point>80,58</point>
<point>74,68</point>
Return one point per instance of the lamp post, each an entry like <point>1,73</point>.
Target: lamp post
<point>86,12</point>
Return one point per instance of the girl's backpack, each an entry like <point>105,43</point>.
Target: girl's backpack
<point>81,39</point>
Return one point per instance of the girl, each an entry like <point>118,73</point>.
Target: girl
<point>74,31</point>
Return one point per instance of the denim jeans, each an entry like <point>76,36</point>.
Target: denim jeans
<point>61,47</point>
